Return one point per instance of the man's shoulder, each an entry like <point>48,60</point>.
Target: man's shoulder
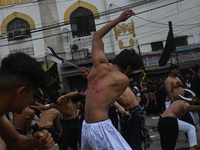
<point>172,79</point>
<point>179,102</point>
<point>55,111</point>
<point>168,79</point>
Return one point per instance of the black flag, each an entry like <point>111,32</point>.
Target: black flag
<point>170,46</point>
<point>52,80</point>
<point>58,59</point>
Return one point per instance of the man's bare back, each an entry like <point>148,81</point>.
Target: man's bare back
<point>177,109</point>
<point>105,84</point>
<point>22,121</point>
<point>48,116</point>
<point>66,107</point>
<point>128,99</point>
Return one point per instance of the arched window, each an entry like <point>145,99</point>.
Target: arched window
<point>82,22</point>
<point>17,29</point>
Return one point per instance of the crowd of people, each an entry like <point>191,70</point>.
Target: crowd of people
<point>89,119</point>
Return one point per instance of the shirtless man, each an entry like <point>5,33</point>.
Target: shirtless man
<point>173,84</point>
<point>47,123</point>
<point>151,105</point>
<point>132,121</point>
<point>20,77</point>
<point>106,82</point>
<point>168,125</point>
<point>68,109</point>
<point>22,121</point>
<point>133,124</point>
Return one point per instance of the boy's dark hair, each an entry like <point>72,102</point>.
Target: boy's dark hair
<point>78,98</point>
<point>20,69</point>
<point>128,57</point>
<point>172,67</point>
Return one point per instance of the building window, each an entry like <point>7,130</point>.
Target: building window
<point>181,41</point>
<point>82,22</point>
<point>17,29</point>
<point>155,46</point>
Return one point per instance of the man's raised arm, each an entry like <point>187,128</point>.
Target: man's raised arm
<point>66,97</point>
<point>98,55</point>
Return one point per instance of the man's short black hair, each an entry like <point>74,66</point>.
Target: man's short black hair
<point>172,67</point>
<point>128,57</point>
<point>20,69</point>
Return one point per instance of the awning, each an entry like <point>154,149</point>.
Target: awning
<point>188,48</point>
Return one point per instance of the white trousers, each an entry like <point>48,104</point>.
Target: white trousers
<point>102,136</point>
<point>190,130</point>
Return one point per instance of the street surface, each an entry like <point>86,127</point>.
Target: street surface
<point>151,123</point>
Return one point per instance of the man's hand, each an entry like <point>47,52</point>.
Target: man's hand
<point>60,99</point>
<point>123,111</point>
<point>85,72</point>
<point>41,107</point>
<point>43,139</point>
<point>126,14</point>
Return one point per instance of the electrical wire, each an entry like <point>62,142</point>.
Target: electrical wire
<point>100,14</point>
<point>64,24</point>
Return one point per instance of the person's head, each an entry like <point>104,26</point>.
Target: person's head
<point>174,69</point>
<point>135,83</point>
<point>128,61</point>
<point>82,91</point>
<point>187,75</point>
<point>20,77</point>
<point>46,99</point>
<point>135,90</point>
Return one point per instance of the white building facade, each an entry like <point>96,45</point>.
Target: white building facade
<point>67,26</point>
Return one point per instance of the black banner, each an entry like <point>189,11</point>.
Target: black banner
<point>170,46</point>
<point>52,79</point>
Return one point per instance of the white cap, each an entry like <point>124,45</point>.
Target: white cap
<point>135,87</point>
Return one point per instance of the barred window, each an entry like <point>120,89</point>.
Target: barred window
<point>82,22</point>
<point>181,41</point>
<point>17,29</point>
<point>157,46</point>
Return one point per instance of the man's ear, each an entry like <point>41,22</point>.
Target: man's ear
<point>21,90</point>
